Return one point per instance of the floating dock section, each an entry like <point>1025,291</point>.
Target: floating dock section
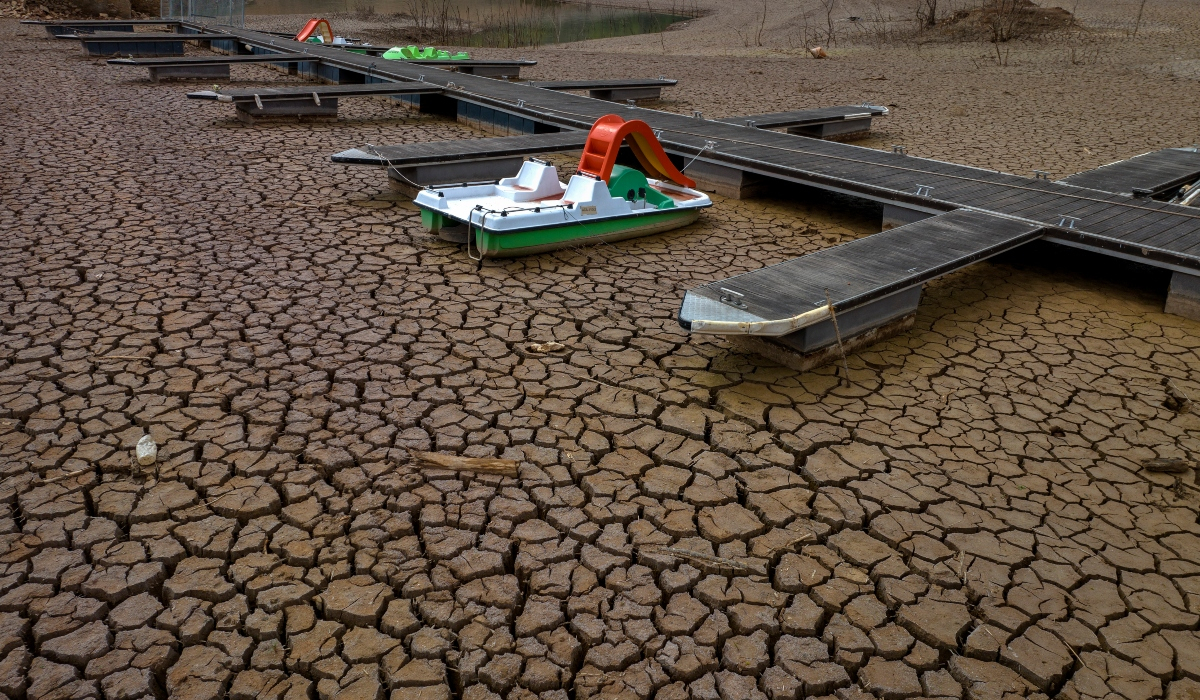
<point>729,157</point>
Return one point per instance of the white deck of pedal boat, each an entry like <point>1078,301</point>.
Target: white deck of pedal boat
<point>536,198</point>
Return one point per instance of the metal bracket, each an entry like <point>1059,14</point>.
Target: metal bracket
<point>732,298</point>
<point>900,150</point>
<point>924,190</point>
<point>696,114</point>
<point>658,134</point>
<point>751,123</point>
<point>1041,175</point>
<point>520,103</point>
<point>631,103</point>
<point>1067,221</point>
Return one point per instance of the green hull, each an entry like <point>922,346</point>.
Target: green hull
<point>540,240</point>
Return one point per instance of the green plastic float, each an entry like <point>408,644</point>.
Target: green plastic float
<point>429,53</point>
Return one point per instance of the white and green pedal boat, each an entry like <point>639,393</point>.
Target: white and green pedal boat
<point>534,212</point>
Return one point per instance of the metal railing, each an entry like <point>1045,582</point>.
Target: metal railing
<point>227,12</point>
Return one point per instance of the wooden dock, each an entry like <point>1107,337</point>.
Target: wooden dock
<point>214,60</point>
<point>69,27</point>
<point>415,165</point>
<point>822,123</point>
<point>1146,175</point>
<point>215,67</point>
<point>611,90</point>
<point>140,43</point>
<point>869,283</point>
<point>461,160</point>
<point>411,166</point>
<point>730,157</point>
<point>318,102</point>
<point>431,152</point>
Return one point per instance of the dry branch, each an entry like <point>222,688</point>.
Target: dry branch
<point>482,465</point>
<point>64,477</point>
<point>724,563</point>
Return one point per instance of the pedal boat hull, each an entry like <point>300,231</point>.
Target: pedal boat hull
<point>543,239</point>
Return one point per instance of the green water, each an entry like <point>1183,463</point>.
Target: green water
<point>497,23</point>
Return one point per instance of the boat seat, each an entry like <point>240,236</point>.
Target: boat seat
<point>535,181</point>
<point>588,191</point>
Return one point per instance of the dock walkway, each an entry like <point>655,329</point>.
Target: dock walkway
<point>1141,229</point>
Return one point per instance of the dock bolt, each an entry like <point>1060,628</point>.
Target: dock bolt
<point>732,298</point>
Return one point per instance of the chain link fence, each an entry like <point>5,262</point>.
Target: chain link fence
<point>226,12</point>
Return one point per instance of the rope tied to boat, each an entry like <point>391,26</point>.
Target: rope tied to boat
<point>708,146</point>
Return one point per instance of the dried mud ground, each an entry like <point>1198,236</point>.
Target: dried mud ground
<point>968,519</point>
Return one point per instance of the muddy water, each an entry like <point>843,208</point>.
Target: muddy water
<point>498,22</point>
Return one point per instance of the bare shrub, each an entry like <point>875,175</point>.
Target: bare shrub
<point>436,21</point>
<point>927,13</point>
<point>1000,21</point>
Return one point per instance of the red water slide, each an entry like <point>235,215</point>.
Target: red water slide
<point>604,142</point>
<point>312,26</point>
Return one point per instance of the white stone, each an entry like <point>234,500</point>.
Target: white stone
<point>146,451</point>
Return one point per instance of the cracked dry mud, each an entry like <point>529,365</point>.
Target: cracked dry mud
<point>969,519</point>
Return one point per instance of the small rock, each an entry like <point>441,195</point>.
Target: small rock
<point>146,451</point>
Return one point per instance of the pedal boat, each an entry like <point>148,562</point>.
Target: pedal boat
<point>534,212</point>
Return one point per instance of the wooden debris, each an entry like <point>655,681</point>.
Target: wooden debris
<point>64,477</point>
<point>551,346</point>
<point>1168,465</point>
<point>482,465</point>
<point>731,565</point>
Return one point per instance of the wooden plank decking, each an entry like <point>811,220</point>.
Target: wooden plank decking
<point>1144,229</point>
<point>806,117</point>
<point>859,272</point>
<point>322,91</point>
<point>462,149</point>
<point>600,84</point>
<point>533,144</point>
<point>1147,174</point>
<point>214,60</point>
